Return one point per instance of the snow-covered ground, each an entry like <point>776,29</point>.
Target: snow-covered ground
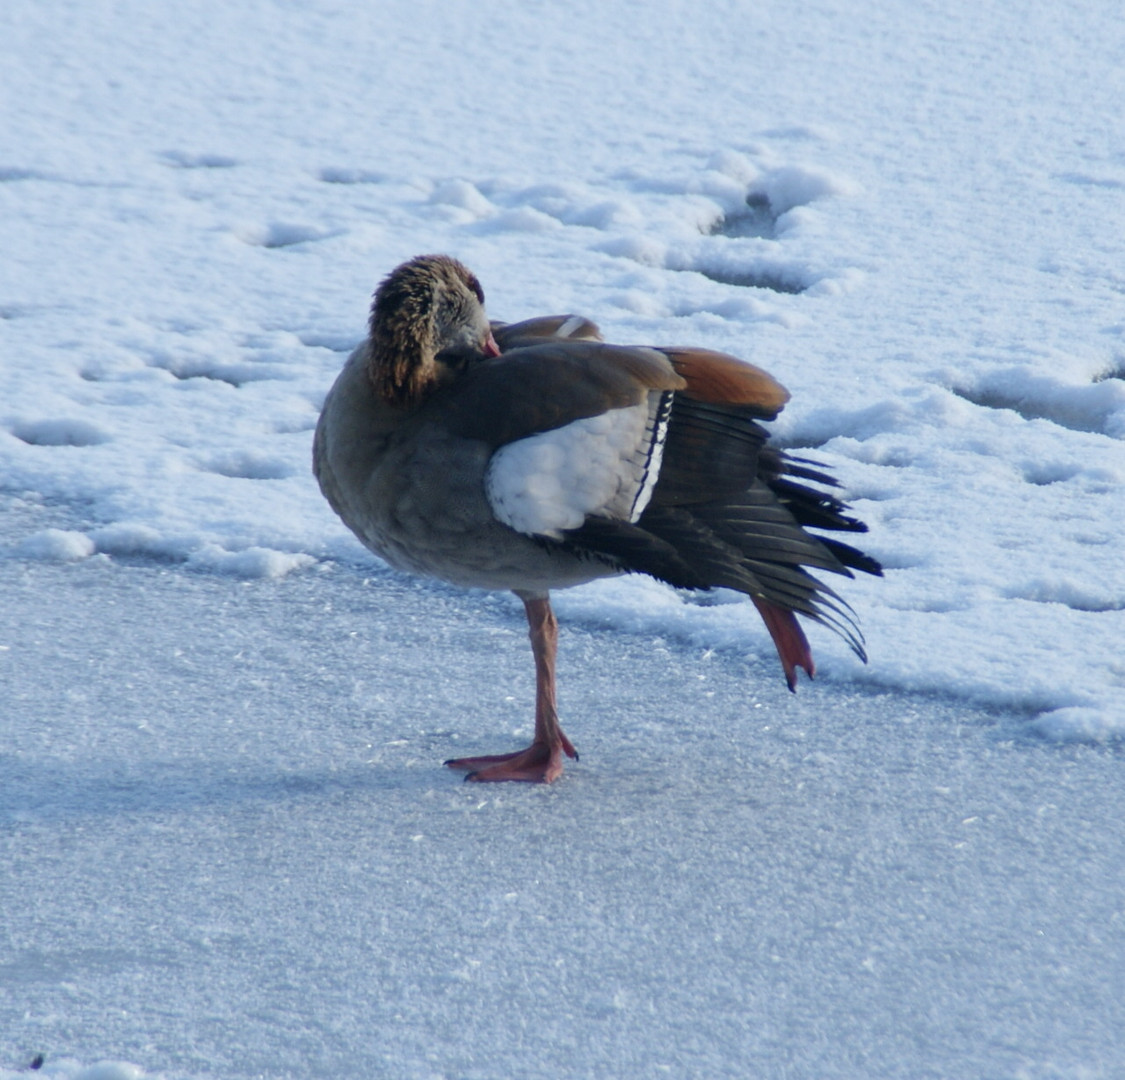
<point>229,848</point>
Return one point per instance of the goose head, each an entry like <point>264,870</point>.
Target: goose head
<point>427,324</point>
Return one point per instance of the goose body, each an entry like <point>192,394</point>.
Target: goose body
<point>533,456</point>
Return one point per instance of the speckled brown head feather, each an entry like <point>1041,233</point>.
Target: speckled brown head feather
<point>429,304</point>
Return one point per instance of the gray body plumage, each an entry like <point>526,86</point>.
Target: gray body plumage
<point>413,491</point>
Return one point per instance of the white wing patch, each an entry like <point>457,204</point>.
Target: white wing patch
<point>605,465</point>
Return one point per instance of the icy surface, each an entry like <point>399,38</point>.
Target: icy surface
<point>230,851</point>
<point>210,791</point>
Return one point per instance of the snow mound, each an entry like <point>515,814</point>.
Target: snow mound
<point>56,545</point>
<point>252,562</point>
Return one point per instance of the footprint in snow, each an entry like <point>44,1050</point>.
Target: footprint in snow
<point>1096,406</point>
<point>244,465</point>
<point>339,343</point>
<point>775,278</point>
<point>16,311</point>
<point>282,234</point>
<point>59,432</point>
<point>185,368</point>
<point>1073,594</point>
<point>756,218</point>
<point>182,159</point>
<point>742,246</point>
<point>757,224</point>
<point>351,176</point>
<point>1117,371</point>
<point>11,173</point>
<point>1043,474</point>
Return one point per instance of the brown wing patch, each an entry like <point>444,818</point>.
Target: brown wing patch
<point>725,380</point>
<point>544,329</point>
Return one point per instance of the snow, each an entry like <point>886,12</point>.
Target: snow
<point>910,214</point>
<point>63,545</point>
<point>229,851</point>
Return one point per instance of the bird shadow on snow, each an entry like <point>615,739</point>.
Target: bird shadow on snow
<point>305,672</point>
<point>99,789</point>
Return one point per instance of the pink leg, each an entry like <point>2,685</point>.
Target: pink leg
<point>542,761</point>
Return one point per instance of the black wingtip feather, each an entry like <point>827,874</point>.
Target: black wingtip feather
<point>853,557</point>
<point>729,511</point>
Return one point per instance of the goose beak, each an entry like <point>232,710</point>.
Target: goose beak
<point>490,348</point>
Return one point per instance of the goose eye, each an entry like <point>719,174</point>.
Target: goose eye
<point>477,290</point>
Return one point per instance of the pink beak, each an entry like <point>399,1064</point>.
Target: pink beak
<point>490,348</point>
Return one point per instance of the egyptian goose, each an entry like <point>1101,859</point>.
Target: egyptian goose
<point>532,456</point>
